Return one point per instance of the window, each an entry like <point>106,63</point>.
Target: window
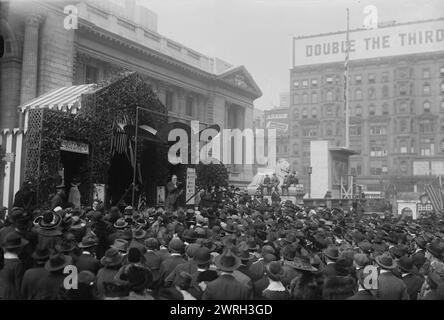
<point>442,146</point>
<point>314,113</point>
<point>371,110</point>
<point>358,79</point>
<point>355,130</point>
<point>442,125</point>
<point>403,167</point>
<point>189,106</point>
<point>403,125</point>
<point>329,111</point>
<point>329,130</point>
<point>169,100</point>
<point>385,77</point>
<point>378,130</point>
<point>403,146</point>
<point>358,94</point>
<point>91,74</point>
<point>295,149</point>
<point>403,107</point>
<point>304,113</point>
<point>296,84</point>
<point>313,132</point>
<point>295,99</point>
<point>314,82</point>
<point>329,95</point>
<point>385,109</point>
<point>371,78</point>
<point>426,106</point>
<point>295,113</point>
<point>304,83</point>
<point>304,98</point>
<point>378,151</point>
<point>358,111</point>
<point>426,73</point>
<point>403,90</point>
<point>314,97</point>
<point>441,71</point>
<point>412,146</point>
<point>426,89</point>
<point>385,92</point>
<point>426,147</point>
<point>442,88</point>
<point>442,105</point>
<point>329,80</point>
<point>426,126</point>
<point>371,93</point>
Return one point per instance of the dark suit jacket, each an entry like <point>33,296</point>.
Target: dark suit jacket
<point>11,279</point>
<point>419,259</point>
<point>226,287</point>
<point>329,270</point>
<point>188,266</point>
<point>391,288</point>
<point>50,286</point>
<point>414,284</point>
<point>87,262</point>
<point>31,278</point>
<point>362,295</point>
<point>168,266</point>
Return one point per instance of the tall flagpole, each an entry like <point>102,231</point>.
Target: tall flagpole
<point>347,124</point>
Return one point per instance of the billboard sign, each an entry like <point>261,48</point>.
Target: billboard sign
<point>395,40</point>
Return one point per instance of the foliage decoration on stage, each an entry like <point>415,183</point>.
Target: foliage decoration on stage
<point>211,175</point>
<point>93,125</point>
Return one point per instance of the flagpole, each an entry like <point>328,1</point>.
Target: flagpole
<point>347,122</point>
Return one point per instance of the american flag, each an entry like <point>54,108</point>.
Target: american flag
<point>119,142</point>
<point>435,193</point>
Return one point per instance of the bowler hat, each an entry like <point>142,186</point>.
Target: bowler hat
<point>274,270</point>
<point>176,245</point>
<point>331,252</point>
<point>202,256</point>
<point>88,242</point>
<point>152,244</point>
<point>406,264</point>
<point>227,261</point>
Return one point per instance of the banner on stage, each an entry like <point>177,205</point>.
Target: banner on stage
<point>191,185</point>
<point>99,192</point>
<point>160,195</point>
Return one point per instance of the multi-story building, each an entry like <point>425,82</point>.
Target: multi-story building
<point>277,118</point>
<point>50,44</point>
<point>396,102</point>
<point>284,99</point>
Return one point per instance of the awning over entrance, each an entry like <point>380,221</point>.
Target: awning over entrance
<point>64,98</point>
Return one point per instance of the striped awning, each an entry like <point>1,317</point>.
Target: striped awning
<point>64,98</point>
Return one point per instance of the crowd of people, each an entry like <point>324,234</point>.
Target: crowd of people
<point>233,247</point>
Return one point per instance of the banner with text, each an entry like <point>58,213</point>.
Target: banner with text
<point>191,185</point>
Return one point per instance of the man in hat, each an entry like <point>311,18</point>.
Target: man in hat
<point>275,289</point>
<point>29,289</point>
<point>363,293</point>
<point>412,279</point>
<point>153,259</point>
<point>25,197</point>
<point>390,287</point>
<point>111,262</point>
<point>226,287</point>
<point>87,260</point>
<point>174,192</point>
<point>331,255</point>
<point>188,266</point>
<point>59,199</point>
<point>50,286</point>
<point>176,248</point>
<point>12,272</point>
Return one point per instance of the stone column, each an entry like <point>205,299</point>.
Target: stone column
<point>30,59</point>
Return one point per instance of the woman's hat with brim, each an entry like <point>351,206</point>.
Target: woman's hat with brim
<point>111,258</point>
<point>227,261</point>
<point>385,261</point>
<point>88,242</point>
<point>301,263</point>
<point>58,262</point>
<point>120,223</point>
<point>13,241</point>
<point>49,220</point>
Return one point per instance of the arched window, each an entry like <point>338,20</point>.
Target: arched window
<point>305,98</point>
<point>314,97</point>
<point>304,113</point>
<point>358,94</point>
<point>426,106</point>
<point>10,44</point>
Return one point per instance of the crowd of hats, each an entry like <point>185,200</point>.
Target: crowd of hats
<point>237,231</point>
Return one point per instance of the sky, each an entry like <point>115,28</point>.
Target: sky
<point>258,33</point>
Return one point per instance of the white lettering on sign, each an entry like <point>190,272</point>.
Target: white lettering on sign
<point>371,43</point>
<point>74,146</point>
<point>191,185</point>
